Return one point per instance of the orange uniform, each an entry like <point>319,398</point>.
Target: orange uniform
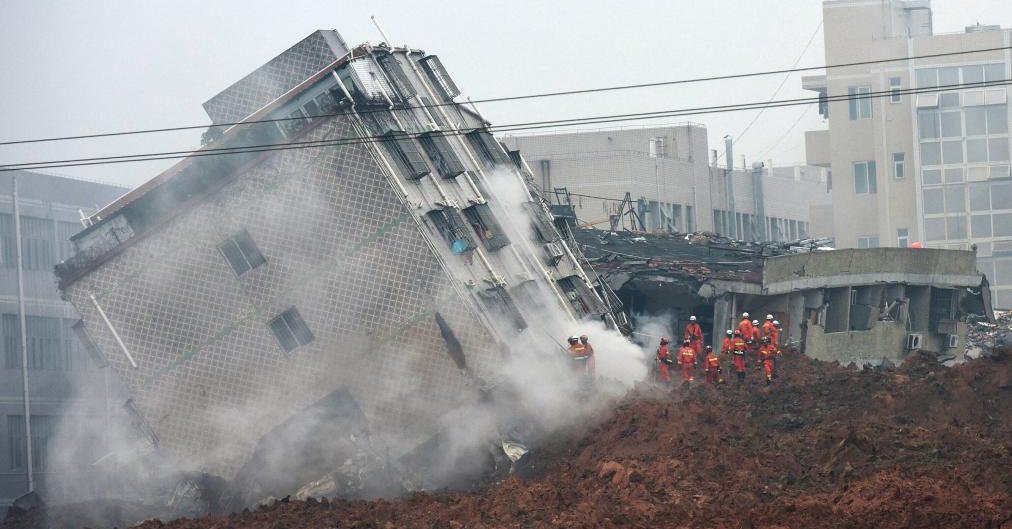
<point>768,330</point>
<point>745,327</point>
<point>591,363</point>
<point>727,346</point>
<point>694,334</point>
<point>766,355</point>
<point>739,356</point>
<point>712,365</point>
<point>663,361</point>
<point>687,359</point>
<point>775,336</point>
<point>578,358</point>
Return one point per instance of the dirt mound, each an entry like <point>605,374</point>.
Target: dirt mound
<point>920,445</point>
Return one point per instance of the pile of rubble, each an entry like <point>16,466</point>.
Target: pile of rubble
<point>984,336</point>
<point>918,445</point>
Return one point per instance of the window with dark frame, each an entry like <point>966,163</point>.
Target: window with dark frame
<point>406,156</point>
<point>395,72</point>
<point>453,230</point>
<point>859,99</point>
<point>485,226</point>
<point>241,253</point>
<point>291,330</point>
<point>487,147</point>
<point>894,89</point>
<point>437,74</point>
<point>438,148</point>
<point>899,164</point>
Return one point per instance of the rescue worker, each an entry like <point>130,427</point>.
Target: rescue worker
<point>687,359</point>
<point>745,326</point>
<point>712,366</point>
<point>591,362</point>
<point>756,336</point>
<point>768,328</point>
<point>694,333</point>
<point>663,362</point>
<point>728,345</point>
<point>767,352</point>
<point>577,355</point>
<point>738,352</point>
<point>775,341</point>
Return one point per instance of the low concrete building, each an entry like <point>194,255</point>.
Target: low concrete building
<point>854,305</point>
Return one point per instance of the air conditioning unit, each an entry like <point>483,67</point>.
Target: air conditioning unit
<point>554,252</point>
<point>914,341</point>
<point>951,341</point>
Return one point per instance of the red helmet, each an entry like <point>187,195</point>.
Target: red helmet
<point>737,333</point>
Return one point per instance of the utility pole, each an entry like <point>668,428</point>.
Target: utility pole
<point>24,336</point>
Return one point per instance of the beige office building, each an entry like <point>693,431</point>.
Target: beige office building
<point>929,166</point>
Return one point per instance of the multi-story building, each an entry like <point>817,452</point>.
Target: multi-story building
<point>930,166</point>
<point>369,252</point>
<point>665,172</point>
<point>64,385</point>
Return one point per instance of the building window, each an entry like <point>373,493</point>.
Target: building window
<point>898,164</point>
<point>49,346</point>
<point>859,98</point>
<point>690,219</point>
<point>480,217</point>
<point>290,330</point>
<point>443,158</point>
<point>902,237</point>
<point>42,427</point>
<point>293,123</point>
<point>396,75</point>
<point>894,90</point>
<point>488,149</point>
<point>406,156</point>
<point>868,241</point>
<point>453,230</point>
<point>242,253</point>
<point>865,180</point>
<point>437,74</point>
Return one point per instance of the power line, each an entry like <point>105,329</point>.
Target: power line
<point>781,138</point>
<point>520,126</point>
<point>519,97</point>
<point>780,87</point>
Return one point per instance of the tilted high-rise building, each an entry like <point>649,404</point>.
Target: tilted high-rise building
<point>353,236</point>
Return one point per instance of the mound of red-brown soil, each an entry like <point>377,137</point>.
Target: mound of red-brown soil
<point>920,445</point>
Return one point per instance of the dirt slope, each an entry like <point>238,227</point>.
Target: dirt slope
<point>916,446</point>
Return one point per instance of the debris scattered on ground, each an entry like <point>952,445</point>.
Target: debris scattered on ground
<point>919,445</point>
<point>984,336</point>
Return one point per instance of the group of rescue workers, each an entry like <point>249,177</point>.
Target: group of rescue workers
<point>760,340</point>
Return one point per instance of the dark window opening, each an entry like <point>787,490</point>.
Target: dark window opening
<point>489,150</point>
<point>434,68</point>
<point>438,148</point>
<point>293,123</point>
<point>405,154</point>
<point>395,72</point>
<point>580,296</point>
<point>484,224</point>
<point>242,253</point>
<point>290,330</point>
<point>42,429</point>
<point>501,305</point>
<point>453,230</point>
<point>51,344</point>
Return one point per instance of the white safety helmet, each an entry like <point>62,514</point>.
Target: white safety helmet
<point>744,315</point>
<point>775,322</point>
<point>730,332</point>
<point>755,322</point>
<point>769,316</point>
<point>692,318</point>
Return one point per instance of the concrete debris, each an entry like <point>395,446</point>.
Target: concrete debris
<point>984,336</point>
<point>513,450</point>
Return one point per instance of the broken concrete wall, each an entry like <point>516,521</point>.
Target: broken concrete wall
<point>883,341</point>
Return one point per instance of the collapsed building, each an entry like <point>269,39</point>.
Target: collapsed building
<point>863,306</point>
<point>349,247</point>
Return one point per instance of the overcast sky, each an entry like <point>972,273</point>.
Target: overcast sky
<point>99,66</point>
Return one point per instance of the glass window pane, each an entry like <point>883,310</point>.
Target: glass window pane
<point>952,126</point>
<point>852,102</point>
<point>927,77</point>
<point>997,119</point>
<point>999,171</point>
<point>994,72</point>
<point>980,226</point>
<point>947,76</point>
<point>860,178</point>
<point>973,74</point>
<point>954,175</point>
<point>928,124</point>
<point>872,178</point>
<point>1001,195</point>
<point>980,196</point>
<point>931,176</point>
<point>934,229</point>
<point>955,228</point>
<point>952,151</point>
<point>933,201</point>
<point>955,200</point>
<point>975,121</point>
<point>865,103</point>
<point>997,149</point>
<point>931,153</point>
<point>1003,225</point>
<point>976,150</point>
<point>948,100</point>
